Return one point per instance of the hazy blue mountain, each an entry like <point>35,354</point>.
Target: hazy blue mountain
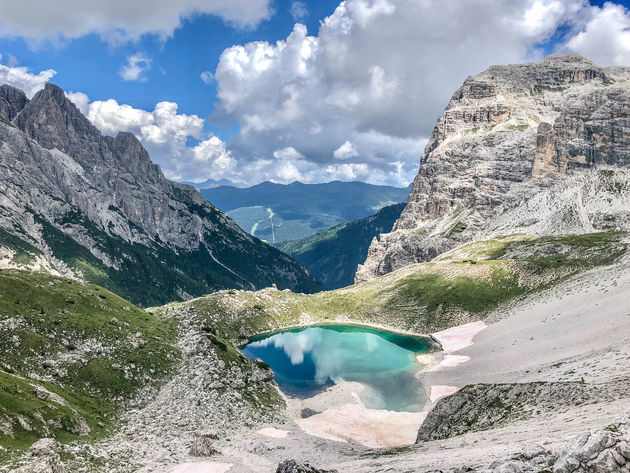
<point>209,183</point>
<point>332,255</point>
<point>278,212</point>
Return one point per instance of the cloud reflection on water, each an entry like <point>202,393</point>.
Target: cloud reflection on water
<point>385,368</point>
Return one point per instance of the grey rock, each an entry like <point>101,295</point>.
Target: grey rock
<point>42,457</point>
<point>516,150</point>
<point>606,450</point>
<point>12,100</point>
<point>487,406</point>
<point>292,466</point>
<point>203,447</point>
<point>65,186</point>
<point>308,412</point>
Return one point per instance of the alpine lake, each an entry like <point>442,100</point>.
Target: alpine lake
<point>308,360</point>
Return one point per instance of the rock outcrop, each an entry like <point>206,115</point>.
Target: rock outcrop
<point>95,207</point>
<point>42,457</point>
<point>292,466</point>
<point>487,406</point>
<point>603,450</point>
<point>527,138</point>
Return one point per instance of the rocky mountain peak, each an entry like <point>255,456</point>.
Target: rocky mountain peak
<point>508,134</point>
<point>96,207</point>
<point>52,120</point>
<point>131,155</point>
<point>12,101</point>
<point>567,58</point>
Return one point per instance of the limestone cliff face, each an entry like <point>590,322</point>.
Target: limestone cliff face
<point>526,141</point>
<point>97,208</point>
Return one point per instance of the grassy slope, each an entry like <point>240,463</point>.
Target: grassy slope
<point>60,334</point>
<point>424,297</point>
<point>332,255</point>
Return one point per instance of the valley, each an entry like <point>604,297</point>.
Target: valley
<point>486,328</point>
<point>278,213</point>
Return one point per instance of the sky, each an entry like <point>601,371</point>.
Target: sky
<point>287,90</point>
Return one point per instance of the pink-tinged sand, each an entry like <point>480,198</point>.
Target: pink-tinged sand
<point>456,338</point>
<point>202,467</point>
<point>273,433</point>
<point>355,423</point>
<point>453,360</point>
<point>438,392</point>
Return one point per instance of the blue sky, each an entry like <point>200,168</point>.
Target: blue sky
<point>353,94</point>
<point>91,65</point>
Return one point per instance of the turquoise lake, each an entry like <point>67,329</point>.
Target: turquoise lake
<point>306,361</point>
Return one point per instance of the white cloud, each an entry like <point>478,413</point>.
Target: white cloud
<point>375,78</point>
<point>23,79</point>
<point>207,77</point>
<point>298,10</point>
<point>137,65</point>
<point>81,100</point>
<point>605,37</point>
<point>287,153</point>
<point>345,151</point>
<point>165,133</point>
<point>119,20</point>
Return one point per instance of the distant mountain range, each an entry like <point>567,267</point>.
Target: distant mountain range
<point>94,207</point>
<point>277,212</point>
<point>210,183</point>
<point>332,255</point>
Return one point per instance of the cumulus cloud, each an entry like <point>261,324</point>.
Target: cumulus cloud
<point>137,65</point>
<point>120,20</point>
<point>368,88</point>
<point>207,77</point>
<point>298,10</point>
<point>358,100</point>
<point>605,36</point>
<point>287,153</point>
<point>345,151</point>
<point>23,78</point>
<point>165,133</point>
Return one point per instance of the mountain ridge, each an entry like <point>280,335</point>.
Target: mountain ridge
<point>514,143</point>
<point>97,208</point>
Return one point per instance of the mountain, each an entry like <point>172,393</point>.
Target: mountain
<point>209,183</point>
<point>278,212</point>
<point>332,255</point>
<point>536,148</point>
<point>94,207</point>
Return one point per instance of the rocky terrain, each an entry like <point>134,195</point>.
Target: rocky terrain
<point>519,149</point>
<point>96,208</point>
<point>512,253</point>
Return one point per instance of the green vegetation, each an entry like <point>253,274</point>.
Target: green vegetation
<point>434,292</point>
<point>332,255</point>
<point>25,253</point>
<point>152,276</point>
<point>518,127</point>
<point>94,349</point>
<point>459,227</point>
<point>565,251</point>
<point>462,285</point>
<point>541,89</point>
<point>614,182</point>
